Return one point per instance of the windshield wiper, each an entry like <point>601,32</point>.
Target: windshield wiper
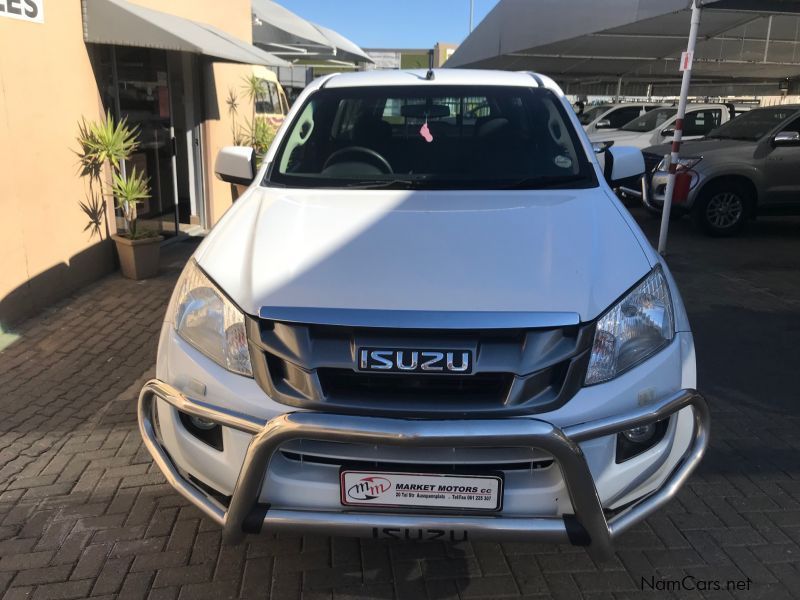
<point>541,183</point>
<point>403,184</point>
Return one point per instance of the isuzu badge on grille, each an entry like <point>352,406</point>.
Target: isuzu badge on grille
<point>452,362</point>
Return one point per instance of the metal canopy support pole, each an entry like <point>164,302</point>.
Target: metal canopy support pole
<point>117,106</point>
<point>678,135</point>
<point>471,13</point>
<point>619,89</point>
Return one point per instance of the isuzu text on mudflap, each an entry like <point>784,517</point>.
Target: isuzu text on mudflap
<point>427,317</point>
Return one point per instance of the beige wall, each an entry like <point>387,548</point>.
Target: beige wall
<point>46,86</point>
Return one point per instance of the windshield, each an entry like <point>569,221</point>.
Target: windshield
<point>753,125</point>
<point>591,114</point>
<point>435,137</point>
<point>650,121</point>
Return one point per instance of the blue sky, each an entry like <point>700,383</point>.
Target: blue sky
<point>393,23</point>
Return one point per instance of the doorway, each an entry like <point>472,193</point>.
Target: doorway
<point>159,92</point>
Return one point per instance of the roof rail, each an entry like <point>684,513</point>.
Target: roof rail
<point>545,82</point>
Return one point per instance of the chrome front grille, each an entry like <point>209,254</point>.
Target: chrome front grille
<point>516,371</point>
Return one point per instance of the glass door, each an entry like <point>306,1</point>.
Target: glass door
<point>135,84</point>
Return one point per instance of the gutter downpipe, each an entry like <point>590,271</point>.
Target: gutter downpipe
<point>678,135</point>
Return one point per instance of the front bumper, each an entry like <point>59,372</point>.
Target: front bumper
<point>653,195</point>
<point>590,525</point>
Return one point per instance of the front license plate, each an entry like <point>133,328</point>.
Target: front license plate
<point>421,490</point>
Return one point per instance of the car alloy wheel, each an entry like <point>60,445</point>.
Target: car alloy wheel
<point>724,210</point>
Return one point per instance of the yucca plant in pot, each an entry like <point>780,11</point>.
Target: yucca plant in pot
<point>139,250</point>
<point>109,142</point>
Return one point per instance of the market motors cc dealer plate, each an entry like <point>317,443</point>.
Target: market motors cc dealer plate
<point>421,490</point>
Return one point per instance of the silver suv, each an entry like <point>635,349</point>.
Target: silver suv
<point>746,167</point>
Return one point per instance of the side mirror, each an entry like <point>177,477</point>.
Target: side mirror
<point>622,163</point>
<point>669,132</point>
<point>236,164</point>
<point>786,138</point>
<point>603,124</point>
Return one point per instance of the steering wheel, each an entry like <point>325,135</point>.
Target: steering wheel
<point>362,150</point>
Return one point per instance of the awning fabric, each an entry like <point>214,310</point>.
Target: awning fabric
<point>637,40</point>
<point>279,25</point>
<point>122,23</point>
<point>283,32</point>
<point>345,48</point>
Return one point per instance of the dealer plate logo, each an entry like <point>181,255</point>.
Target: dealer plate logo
<point>368,488</point>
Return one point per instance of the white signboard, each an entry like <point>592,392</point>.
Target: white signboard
<point>24,10</point>
<point>383,59</point>
<point>423,490</point>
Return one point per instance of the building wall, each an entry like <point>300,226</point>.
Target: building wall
<point>46,86</point>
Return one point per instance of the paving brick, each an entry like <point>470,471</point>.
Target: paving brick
<point>491,559</point>
<point>91,561</point>
<point>135,586</point>
<point>256,577</point>
<point>63,591</point>
<point>171,576</point>
<point>218,590</point>
<point>42,575</point>
<point>111,576</point>
<point>502,586</point>
<point>25,560</point>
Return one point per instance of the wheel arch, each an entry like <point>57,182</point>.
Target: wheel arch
<point>737,178</point>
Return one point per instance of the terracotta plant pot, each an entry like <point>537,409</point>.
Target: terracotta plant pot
<point>138,259</point>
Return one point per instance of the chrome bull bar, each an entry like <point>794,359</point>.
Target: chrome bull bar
<point>589,526</point>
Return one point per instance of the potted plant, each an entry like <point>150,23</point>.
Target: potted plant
<point>109,142</point>
<point>138,250</point>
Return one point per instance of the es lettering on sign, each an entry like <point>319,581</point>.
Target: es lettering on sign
<point>24,10</point>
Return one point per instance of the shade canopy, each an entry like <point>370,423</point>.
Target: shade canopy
<point>346,49</point>
<point>122,23</point>
<point>637,40</point>
<point>282,32</point>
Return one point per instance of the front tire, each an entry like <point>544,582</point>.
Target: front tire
<point>722,209</point>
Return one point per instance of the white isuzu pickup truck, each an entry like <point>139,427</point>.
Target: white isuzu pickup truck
<point>428,317</point>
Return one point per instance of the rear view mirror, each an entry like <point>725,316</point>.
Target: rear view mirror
<point>236,164</point>
<point>420,111</point>
<point>669,132</point>
<point>621,163</point>
<point>786,138</point>
<point>603,124</point>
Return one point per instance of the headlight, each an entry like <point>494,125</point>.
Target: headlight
<point>634,329</point>
<point>683,163</point>
<point>210,322</point>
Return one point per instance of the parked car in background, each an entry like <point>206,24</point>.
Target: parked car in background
<point>612,116</point>
<point>747,167</point>
<point>412,327</point>
<point>655,126</point>
<point>273,105</point>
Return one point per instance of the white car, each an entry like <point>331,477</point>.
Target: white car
<point>612,116</point>
<point>414,327</point>
<point>658,125</point>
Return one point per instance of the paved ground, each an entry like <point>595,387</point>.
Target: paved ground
<point>83,511</point>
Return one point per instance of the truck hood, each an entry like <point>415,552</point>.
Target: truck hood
<point>618,136</point>
<point>703,146</point>
<point>529,251</point>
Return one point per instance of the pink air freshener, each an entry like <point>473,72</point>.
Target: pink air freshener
<point>426,133</point>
